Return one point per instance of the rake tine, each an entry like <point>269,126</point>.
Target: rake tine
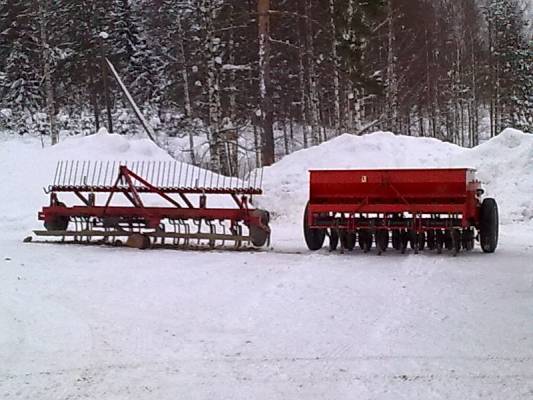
<point>168,173</point>
<point>174,174</point>
<point>70,173</point>
<point>112,173</point>
<point>158,173</point>
<point>199,177</point>
<point>94,172</point>
<point>163,173</point>
<point>75,174</point>
<point>255,177</point>
<point>58,177</point>
<point>167,170</point>
<point>186,175</point>
<point>57,169</point>
<point>61,178</point>
<point>99,173</point>
<point>86,176</point>
<point>82,171</point>
<point>153,172</point>
<point>67,182</point>
<point>181,167</point>
<point>106,170</point>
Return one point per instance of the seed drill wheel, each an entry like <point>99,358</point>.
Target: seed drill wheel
<point>314,238</point>
<point>418,241</point>
<point>439,241</point>
<point>396,240</point>
<point>488,225</point>
<point>258,234</point>
<point>431,240</point>
<point>365,240</point>
<point>382,241</point>
<point>448,242</point>
<point>468,239</point>
<point>333,239</point>
<point>404,241</point>
<point>455,235</point>
<point>348,240</point>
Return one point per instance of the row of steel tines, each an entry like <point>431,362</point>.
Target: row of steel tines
<point>166,175</point>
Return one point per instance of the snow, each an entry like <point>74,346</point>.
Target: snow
<point>503,164</point>
<point>110,323</point>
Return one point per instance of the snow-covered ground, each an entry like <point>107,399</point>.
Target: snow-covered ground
<point>110,323</point>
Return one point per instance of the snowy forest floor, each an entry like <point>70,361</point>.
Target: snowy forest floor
<point>108,323</point>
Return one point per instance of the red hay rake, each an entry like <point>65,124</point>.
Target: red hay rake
<point>161,204</point>
<point>423,208</point>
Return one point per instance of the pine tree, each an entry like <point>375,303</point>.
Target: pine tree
<point>21,89</point>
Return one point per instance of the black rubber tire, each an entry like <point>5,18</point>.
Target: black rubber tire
<point>489,225</point>
<point>333,239</point>
<point>314,238</point>
<point>348,240</point>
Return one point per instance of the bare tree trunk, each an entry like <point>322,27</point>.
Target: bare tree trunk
<point>392,81</point>
<point>311,76</point>
<point>233,137</point>
<point>50,106</point>
<point>186,90</point>
<point>215,145</point>
<point>302,87</point>
<point>336,67</point>
<point>94,95</point>
<point>267,138</point>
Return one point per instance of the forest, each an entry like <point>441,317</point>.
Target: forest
<point>288,73</point>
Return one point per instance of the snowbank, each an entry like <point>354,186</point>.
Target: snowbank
<point>26,168</point>
<point>504,164</point>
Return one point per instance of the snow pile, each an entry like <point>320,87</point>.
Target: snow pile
<point>26,169</point>
<point>504,166</point>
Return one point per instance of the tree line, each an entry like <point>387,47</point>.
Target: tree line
<point>293,72</point>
